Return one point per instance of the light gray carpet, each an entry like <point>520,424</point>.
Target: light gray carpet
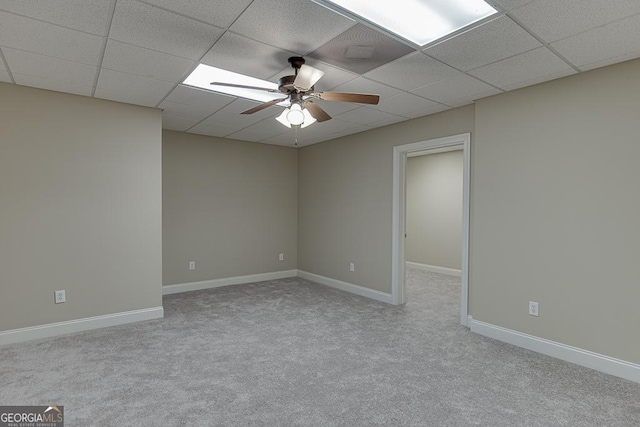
<point>290,352</point>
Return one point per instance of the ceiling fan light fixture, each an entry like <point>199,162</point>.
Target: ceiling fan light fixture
<point>296,112</point>
<point>295,116</point>
<point>282,118</point>
<point>308,118</point>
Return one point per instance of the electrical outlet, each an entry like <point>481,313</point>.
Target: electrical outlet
<point>192,265</point>
<point>533,308</point>
<point>352,267</point>
<point>281,257</point>
<point>59,297</point>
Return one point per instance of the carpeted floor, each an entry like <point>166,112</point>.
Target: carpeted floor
<point>291,352</point>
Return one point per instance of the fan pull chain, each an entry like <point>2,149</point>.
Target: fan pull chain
<point>296,135</point>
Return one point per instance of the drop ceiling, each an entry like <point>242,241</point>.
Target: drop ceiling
<point>138,52</point>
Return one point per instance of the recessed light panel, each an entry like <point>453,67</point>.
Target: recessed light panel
<point>418,21</point>
<point>204,75</point>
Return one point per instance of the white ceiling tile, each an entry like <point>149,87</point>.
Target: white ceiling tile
<point>336,126</point>
<point>231,115</point>
<point>50,68</point>
<point>245,56</point>
<point>421,112</point>
<point>177,123</point>
<point>376,47</point>
<point>55,85</point>
<point>404,104</point>
<point>143,62</point>
<point>350,130</point>
<point>185,110</point>
<point>412,71</point>
<point>363,85</point>
<point>219,13</point>
<point>618,39</point>
<point>269,127</point>
<point>334,108</point>
<point>201,98</point>
<point>495,40</point>
<point>240,104</point>
<point>391,120</point>
<point>125,97</point>
<point>90,16</point>
<point>555,20</point>
<point>294,25</point>
<point>609,61</point>
<point>56,45</point>
<point>314,131</point>
<point>367,116</point>
<point>147,88</point>
<point>457,91</point>
<point>508,5</point>
<point>47,39</point>
<point>219,130</point>
<point>156,29</point>
<point>548,77</point>
<point>528,68</point>
<point>470,99</point>
<point>259,131</point>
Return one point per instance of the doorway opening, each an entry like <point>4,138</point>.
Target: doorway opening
<point>400,154</point>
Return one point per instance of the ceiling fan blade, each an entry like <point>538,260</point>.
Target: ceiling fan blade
<point>266,89</point>
<point>263,106</point>
<point>306,78</point>
<point>361,98</point>
<point>316,112</point>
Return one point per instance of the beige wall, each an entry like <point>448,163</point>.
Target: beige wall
<point>230,206</point>
<point>434,210</point>
<point>345,192</point>
<point>80,198</point>
<point>556,209</point>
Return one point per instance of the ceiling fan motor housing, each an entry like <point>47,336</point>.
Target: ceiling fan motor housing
<point>296,62</point>
<point>285,85</point>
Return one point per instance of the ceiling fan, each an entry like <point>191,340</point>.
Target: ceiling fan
<point>299,90</point>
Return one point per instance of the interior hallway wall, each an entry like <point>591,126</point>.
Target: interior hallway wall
<point>434,210</point>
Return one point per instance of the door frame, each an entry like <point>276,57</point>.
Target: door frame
<point>398,285</point>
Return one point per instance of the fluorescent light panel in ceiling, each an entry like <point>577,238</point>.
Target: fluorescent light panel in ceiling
<point>204,75</point>
<point>418,21</point>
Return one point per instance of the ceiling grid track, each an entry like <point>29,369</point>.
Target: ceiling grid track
<point>104,47</point>
<point>6,66</point>
<point>544,43</point>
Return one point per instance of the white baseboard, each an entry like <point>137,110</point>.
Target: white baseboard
<point>216,283</point>
<point>79,325</point>
<point>349,287</point>
<point>435,269</point>
<point>589,359</point>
